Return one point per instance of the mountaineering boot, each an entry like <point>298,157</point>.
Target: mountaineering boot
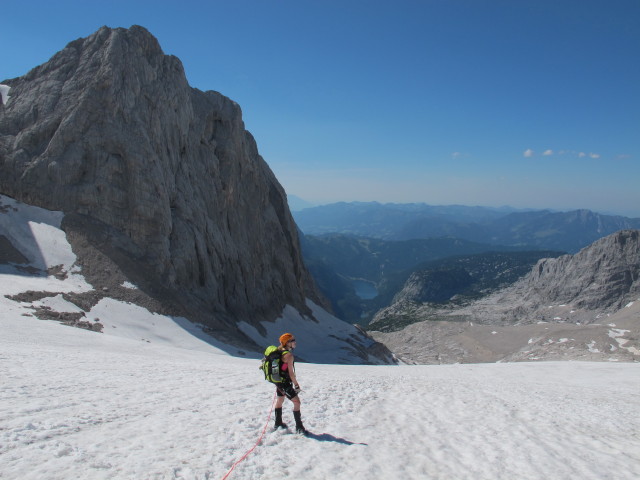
<point>279,423</point>
<point>299,427</point>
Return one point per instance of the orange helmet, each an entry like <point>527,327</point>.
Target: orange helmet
<point>285,338</point>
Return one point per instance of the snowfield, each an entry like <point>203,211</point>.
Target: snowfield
<point>85,405</point>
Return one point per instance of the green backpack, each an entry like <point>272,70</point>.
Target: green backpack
<point>271,364</point>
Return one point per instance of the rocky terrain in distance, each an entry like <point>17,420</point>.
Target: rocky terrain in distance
<point>588,299</point>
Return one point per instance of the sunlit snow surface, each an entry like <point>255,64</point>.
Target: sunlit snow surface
<point>4,93</point>
<point>77,404</point>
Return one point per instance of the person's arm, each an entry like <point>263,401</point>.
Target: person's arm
<point>288,359</point>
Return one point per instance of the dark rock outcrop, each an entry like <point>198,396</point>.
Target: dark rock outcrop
<point>434,285</point>
<point>161,176</point>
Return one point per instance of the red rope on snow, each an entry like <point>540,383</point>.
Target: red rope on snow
<point>257,443</point>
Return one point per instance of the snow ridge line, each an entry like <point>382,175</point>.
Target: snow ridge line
<point>257,443</point>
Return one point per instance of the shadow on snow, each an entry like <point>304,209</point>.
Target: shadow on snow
<point>326,437</point>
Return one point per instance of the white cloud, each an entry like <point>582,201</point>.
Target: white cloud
<point>528,153</point>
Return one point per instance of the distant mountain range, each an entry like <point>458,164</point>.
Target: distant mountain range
<point>543,229</point>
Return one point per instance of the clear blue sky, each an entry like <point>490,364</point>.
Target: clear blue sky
<point>528,103</point>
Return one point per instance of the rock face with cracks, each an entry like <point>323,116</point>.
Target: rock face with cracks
<point>603,276</point>
<point>575,307</point>
<point>600,279</point>
<point>161,177</point>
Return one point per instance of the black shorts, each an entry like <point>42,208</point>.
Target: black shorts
<point>286,388</point>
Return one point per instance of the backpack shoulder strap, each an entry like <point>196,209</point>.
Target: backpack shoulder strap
<point>276,354</point>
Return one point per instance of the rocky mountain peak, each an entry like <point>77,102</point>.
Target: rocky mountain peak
<point>160,177</point>
<point>579,307</point>
<point>602,276</point>
<point>600,279</point>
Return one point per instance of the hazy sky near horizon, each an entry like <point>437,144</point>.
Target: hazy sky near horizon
<point>527,103</point>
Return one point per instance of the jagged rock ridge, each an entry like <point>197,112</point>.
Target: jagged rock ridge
<point>570,296</point>
<point>162,177</point>
<point>601,278</point>
<point>605,275</point>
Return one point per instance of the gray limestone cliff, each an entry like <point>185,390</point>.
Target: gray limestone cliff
<point>159,177</point>
<point>575,307</point>
<point>604,276</point>
<point>600,279</point>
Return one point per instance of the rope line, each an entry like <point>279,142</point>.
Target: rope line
<point>257,443</point>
